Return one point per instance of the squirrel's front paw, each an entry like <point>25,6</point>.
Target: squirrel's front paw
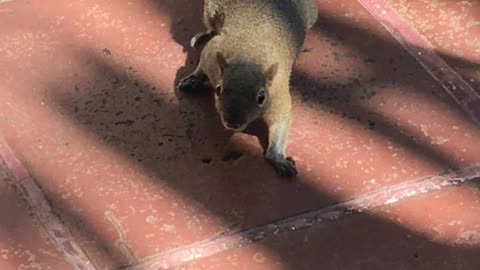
<point>188,83</point>
<point>285,167</point>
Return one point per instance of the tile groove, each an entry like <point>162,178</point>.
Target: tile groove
<point>420,48</point>
<point>37,200</point>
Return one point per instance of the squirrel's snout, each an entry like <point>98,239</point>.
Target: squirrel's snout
<point>232,126</point>
<point>233,123</point>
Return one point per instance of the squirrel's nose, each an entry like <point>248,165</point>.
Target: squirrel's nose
<point>232,125</point>
<point>233,120</point>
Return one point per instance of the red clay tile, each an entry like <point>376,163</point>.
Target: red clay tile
<point>24,244</point>
<point>135,168</point>
<point>372,115</point>
<point>453,28</point>
<point>436,231</point>
<point>444,217</point>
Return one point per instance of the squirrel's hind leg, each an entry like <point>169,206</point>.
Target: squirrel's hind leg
<point>201,38</point>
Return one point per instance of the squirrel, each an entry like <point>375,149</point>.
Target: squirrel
<point>251,46</point>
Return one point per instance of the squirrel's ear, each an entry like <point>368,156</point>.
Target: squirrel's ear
<point>270,73</point>
<point>217,21</point>
<point>222,63</point>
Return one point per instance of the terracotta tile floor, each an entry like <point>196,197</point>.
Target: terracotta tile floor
<point>24,243</point>
<point>145,177</point>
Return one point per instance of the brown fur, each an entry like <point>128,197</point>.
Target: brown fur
<point>252,51</point>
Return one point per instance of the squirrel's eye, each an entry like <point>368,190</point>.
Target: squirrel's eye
<point>261,97</point>
<point>218,90</point>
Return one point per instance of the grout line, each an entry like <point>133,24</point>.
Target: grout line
<point>35,197</point>
<point>387,196</point>
<point>422,51</point>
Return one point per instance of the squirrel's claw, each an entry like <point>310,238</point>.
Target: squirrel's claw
<point>285,167</point>
<point>188,83</point>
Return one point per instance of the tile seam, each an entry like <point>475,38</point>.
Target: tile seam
<point>420,48</point>
<point>42,210</point>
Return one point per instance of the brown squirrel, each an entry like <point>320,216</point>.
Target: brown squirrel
<point>251,46</point>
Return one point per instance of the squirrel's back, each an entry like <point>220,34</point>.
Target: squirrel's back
<point>261,28</point>
<point>306,10</point>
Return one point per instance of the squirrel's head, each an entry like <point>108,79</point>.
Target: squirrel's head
<point>242,92</point>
